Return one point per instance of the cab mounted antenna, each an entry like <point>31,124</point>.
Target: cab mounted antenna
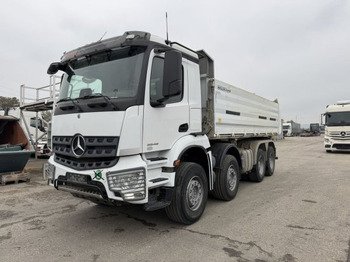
<point>167,35</point>
<point>103,36</point>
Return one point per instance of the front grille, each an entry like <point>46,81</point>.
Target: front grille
<point>340,138</point>
<point>339,135</point>
<point>341,146</point>
<point>100,152</point>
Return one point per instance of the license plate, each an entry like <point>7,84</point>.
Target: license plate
<point>76,177</point>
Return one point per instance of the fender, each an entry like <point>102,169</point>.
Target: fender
<point>192,143</point>
<point>183,143</point>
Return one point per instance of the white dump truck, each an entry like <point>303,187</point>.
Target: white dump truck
<point>142,120</point>
<point>337,127</point>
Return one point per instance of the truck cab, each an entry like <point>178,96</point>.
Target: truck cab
<point>337,127</point>
<point>287,129</point>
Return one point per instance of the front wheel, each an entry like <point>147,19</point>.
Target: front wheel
<point>190,195</point>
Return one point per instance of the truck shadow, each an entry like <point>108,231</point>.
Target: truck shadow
<point>103,219</point>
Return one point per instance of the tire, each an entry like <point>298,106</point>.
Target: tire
<point>270,162</point>
<point>227,179</point>
<point>259,170</point>
<point>190,194</point>
<point>329,151</point>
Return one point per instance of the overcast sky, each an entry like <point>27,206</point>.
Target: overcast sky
<point>295,50</point>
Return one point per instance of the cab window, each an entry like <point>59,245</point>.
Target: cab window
<point>156,85</point>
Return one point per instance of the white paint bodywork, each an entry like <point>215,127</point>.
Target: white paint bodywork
<point>161,124</point>
<point>88,124</point>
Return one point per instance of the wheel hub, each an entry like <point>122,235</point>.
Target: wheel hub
<point>194,194</point>
<point>231,178</point>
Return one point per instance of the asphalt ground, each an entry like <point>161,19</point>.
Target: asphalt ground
<point>301,213</point>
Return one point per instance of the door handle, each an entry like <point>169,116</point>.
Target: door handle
<point>183,128</point>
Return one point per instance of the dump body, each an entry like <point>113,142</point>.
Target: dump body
<point>14,145</point>
<point>239,114</point>
<point>36,136</point>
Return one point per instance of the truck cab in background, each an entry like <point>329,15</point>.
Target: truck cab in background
<point>337,127</point>
<point>291,128</point>
<point>287,129</point>
<point>315,129</point>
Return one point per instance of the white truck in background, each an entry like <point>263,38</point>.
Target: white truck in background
<point>337,127</point>
<point>291,128</point>
<point>142,120</point>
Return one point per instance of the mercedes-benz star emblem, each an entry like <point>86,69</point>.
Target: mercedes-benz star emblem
<point>78,145</point>
<point>343,133</point>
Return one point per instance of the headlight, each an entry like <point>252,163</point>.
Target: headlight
<point>326,140</point>
<point>130,184</point>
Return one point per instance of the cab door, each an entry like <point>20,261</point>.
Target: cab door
<point>165,119</point>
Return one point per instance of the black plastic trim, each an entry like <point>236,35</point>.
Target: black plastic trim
<point>89,185</point>
<point>233,113</point>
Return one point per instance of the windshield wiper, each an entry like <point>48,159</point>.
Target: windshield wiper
<point>106,98</point>
<point>75,104</point>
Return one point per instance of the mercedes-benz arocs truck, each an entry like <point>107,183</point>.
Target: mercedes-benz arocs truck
<point>142,120</point>
<point>337,127</point>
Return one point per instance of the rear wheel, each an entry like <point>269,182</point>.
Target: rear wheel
<point>227,179</point>
<point>191,194</point>
<point>270,163</point>
<point>258,172</point>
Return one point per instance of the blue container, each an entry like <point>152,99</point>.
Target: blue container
<point>10,148</point>
<point>11,161</point>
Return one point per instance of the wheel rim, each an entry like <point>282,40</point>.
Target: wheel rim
<point>194,194</point>
<point>231,178</point>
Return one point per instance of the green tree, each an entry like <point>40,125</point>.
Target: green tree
<point>7,103</point>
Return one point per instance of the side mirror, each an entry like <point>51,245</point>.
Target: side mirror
<point>172,74</point>
<point>53,68</point>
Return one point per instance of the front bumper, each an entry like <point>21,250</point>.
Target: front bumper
<point>122,182</point>
<point>336,144</point>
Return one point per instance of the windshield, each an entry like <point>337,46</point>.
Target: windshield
<point>286,126</point>
<point>338,119</point>
<point>113,73</point>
